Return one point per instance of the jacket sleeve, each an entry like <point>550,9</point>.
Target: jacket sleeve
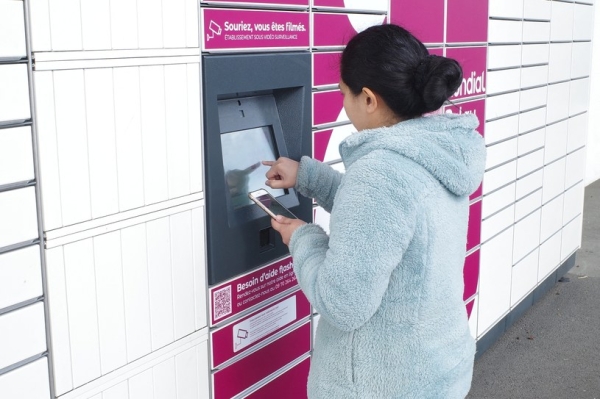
<point>319,181</point>
<point>345,275</point>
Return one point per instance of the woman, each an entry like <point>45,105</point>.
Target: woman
<point>388,280</point>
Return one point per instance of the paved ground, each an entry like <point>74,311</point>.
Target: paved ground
<point>553,351</point>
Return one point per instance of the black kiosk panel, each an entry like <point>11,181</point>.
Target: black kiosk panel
<point>256,107</point>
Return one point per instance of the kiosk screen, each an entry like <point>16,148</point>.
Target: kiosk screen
<point>243,153</point>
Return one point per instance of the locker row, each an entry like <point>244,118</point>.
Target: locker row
<point>503,284</point>
<point>117,297</point>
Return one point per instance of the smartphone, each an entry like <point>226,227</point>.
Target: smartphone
<point>269,204</point>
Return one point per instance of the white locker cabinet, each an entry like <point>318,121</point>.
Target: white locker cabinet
<point>18,216</point>
<point>556,141</point>
<point>573,202</point>
<point>526,236</point>
<point>12,29</point>
<point>534,76</point>
<point>571,237</point>
<point>119,296</point>
<point>14,92</point>
<point>580,96</point>
<point>494,280</point>
<point>581,65</point>
<point>22,334</point>
<point>552,217</point>
<point>554,180</point>
<point>530,183</point>
<point>506,8</point>
<point>550,252</point>
<point>530,163</point>
<point>533,98</point>
<point>504,56</point>
<point>534,54</point>
<point>537,9</point>
<point>575,168</point>
<point>528,204</point>
<point>498,200</point>
<point>577,136</point>
<point>558,102</point>
<point>530,121</point>
<point>560,62</point>
<point>104,146</point>
<point>16,155</point>
<point>501,105</point>
<point>504,31</point>
<point>72,25</point>
<point>502,129</point>
<point>501,152</point>
<point>503,81</point>
<point>524,277</point>
<point>583,22</point>
<point>179,374</point>
<point>500,176</point>
<point>20,276</point>
<point>536,31</point>
<point>497,223</point>
<point>561,29</point>
<point>28,382</point>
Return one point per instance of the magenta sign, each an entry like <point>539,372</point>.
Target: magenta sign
<point>467,21</point>
<point>328,106</point>
<point>303,3</point>
<point>326,68</point>
<point>473,61</point>
<point>243,334</point>
<point>233,297</point>
<point>423,19</point>
<point>471,275</point>
<point>232,29</point>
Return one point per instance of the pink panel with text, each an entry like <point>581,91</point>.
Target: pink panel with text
<point>473,61</point>
<point>467,21</point>
<point>425,20</point>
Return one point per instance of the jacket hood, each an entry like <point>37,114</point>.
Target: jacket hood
<point>447,145</point>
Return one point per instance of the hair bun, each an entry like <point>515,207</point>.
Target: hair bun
<point>437,79</point>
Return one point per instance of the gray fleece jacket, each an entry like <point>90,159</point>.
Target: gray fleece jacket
<point>388,280</point>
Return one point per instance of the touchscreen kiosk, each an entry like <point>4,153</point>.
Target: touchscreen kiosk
<point>256,108</point>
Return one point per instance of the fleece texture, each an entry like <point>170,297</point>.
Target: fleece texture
<point>388,280</point>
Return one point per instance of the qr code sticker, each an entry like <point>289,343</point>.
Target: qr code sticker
<point>222,302</point>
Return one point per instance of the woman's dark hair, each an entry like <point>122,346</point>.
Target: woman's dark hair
<point>393,63</point>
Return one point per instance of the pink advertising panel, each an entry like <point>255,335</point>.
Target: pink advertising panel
<point>471,275</point>
<point>423,19</point>
<point>232,29</point>
<point>326,68</point>
<point>292,382</point>
<point>244,334</point>
<point>303,3</point>
<point>474,231</point>
<point>328,107</point>
<point>473,61</point>
<point>320,143</point>
<point>233,297</point>
<point>469,307</point>
<point>336,29</point>
<point>258,365</point>
<point>371,5</point>
<point>467,21</point>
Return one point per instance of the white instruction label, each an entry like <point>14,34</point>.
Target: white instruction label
<point>262,324</point>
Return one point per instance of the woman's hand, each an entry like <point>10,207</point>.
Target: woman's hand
<point>286,227</point>
<point>283,173</point>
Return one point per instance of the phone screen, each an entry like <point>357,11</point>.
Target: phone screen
<point>274,206</point>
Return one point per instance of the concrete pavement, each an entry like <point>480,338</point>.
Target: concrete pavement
<point>553,350</point>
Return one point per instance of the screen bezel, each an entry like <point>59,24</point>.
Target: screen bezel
<point>249,112</point>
